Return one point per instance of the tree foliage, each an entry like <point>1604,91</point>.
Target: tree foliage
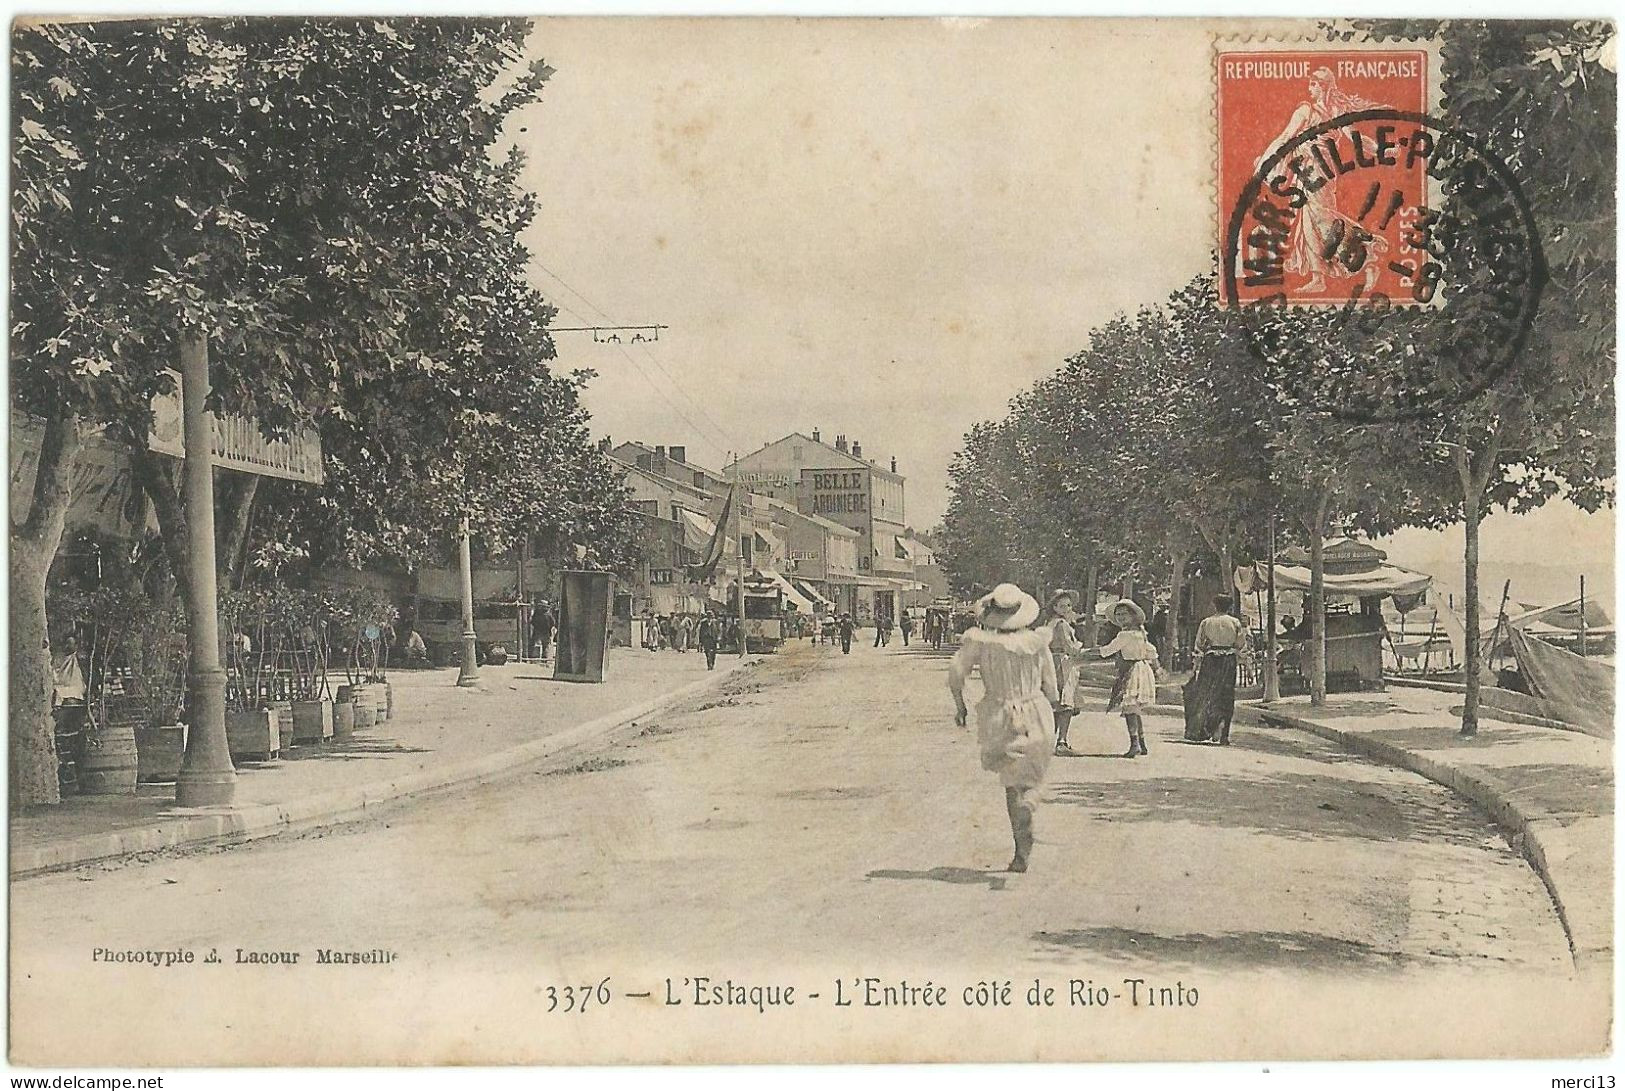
<point>329,207</point>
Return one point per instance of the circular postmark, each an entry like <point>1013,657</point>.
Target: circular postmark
<point>1386,266</point>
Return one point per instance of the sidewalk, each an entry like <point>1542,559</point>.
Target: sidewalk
<point>1551,790</point>
<point>441,736</point>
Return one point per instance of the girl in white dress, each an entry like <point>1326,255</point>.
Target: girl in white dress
<point>1139,686</point>
<point>1015,720</point>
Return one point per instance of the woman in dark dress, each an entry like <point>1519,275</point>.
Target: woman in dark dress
<point>1210,695</point>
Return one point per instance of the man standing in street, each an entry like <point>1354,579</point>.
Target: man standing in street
<point>905,625</point>
<point>710,635</point>
<point>846,628</point>
<point>542,624</point>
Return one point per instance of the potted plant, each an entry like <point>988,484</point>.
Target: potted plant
<point>251,724</point>
<point>156,660</point>
<point>364,618</point>
<point>311,696</point>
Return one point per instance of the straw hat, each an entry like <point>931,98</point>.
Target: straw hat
<point>1006,608</point>
<point>1126,604</point>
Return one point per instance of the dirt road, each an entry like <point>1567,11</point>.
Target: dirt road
<point>820,820</point>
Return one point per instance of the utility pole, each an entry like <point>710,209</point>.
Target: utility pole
<point>739,512</point>
<point>469,674</point>
<point>1582,614</point>
<point>1272,673</point>
<point>207,777</point>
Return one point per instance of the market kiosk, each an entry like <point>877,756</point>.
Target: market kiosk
<point>1357,578</point>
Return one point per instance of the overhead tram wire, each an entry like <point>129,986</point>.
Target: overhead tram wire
<point>644,374</point>
<point>715,429</point>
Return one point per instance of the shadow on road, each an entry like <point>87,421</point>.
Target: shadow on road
<point>1289,805</point>
<point>1249,950</point>
<point>995,880</point>
<point>352,751</point>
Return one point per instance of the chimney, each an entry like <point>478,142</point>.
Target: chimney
<point>677,453</point>
<point>816,438</point>
<point>840,444</point>
<point>893,463</point>
<point>857,449</point>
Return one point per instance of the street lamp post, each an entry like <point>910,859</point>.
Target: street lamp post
<point>469,674</point>
<point>1272,671</point>
<point>207,777</point>
<point>739,511</point>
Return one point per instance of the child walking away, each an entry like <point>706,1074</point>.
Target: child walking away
<point>1015,721</point>
<point>1137,679</point>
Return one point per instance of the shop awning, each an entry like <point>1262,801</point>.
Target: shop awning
<point>769,541</point>
<point>697,530</point>
<point>1384,579</point>
<point>803,603</point>
<point>861,581</point>
<point>812,592</point>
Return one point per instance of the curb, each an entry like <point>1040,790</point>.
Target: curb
<point>1534,832</point>
<point>1536,835</point>
<point>251,823</point>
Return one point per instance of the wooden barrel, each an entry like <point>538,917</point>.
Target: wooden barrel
<point>69,724</point>
<point>110,762</point>
<point>343,715</point>
<point>366,706</point>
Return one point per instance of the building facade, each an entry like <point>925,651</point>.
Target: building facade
<point>836,482</point>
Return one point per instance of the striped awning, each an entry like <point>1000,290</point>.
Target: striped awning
<point>812,592</point>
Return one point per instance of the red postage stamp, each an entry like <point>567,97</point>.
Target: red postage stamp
<point>1314,163</point>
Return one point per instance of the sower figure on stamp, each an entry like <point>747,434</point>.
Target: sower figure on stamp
<point>1015,719</point>
<point>1311,246</point>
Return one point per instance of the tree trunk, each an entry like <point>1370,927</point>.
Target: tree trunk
<point>156,476</point>
<point>1474,473</point>
<point>1227,576</point>
<point>1176,578</point>
<point>1091,591</point>
<point>1474,653</point>
<point>33,546</point>
<point>236,493</point>
<point>1317,602</point>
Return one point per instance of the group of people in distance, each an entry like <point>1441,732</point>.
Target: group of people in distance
<point>1028,660</point>
<point>681,632</point>
<point>884,626</point>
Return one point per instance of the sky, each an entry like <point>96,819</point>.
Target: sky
<point>880,228</point>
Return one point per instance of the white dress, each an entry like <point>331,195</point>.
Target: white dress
<point>1015,723</point>
<point>1140,690</point>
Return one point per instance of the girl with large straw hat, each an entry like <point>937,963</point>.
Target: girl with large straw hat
<point>1136,679</point>
<point>1015,720</point>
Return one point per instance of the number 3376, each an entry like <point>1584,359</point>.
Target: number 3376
<point>578,998</point>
